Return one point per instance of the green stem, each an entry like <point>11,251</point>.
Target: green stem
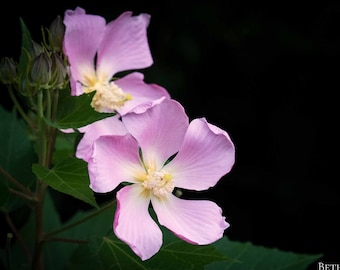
<point>19,108</point>
<point>46,139</point>
<point>55,104</point>
<point>48,104</point>
<point>67,240</point>
<point>42,130</point>
<point>52,132</point>
<point>69,226</point>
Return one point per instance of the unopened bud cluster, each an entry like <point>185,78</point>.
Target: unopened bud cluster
<point>41,66</point>
<point>8,71</point>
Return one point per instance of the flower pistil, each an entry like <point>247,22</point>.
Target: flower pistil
<point>108,96</point>
<point>158,182</point>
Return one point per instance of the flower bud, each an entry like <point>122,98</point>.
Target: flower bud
<point>8,70</point>
<point>56,32</point>
<point>25,88</point>
<point>41,70</point>
<point>36,49</point>
<point>58,72</point>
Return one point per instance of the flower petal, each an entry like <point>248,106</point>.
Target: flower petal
<point>107,126</point>
<point>83,34</point>
<point>140,91</point>
<point>159,130</point>
<point>133,223</point>
<point>124,46</point>
<point>115,159</point>
<point>206,155</point>
<point>195,221</point>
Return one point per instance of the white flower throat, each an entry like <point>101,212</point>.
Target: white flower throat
<point>158,182</point>
<point>108,96</point>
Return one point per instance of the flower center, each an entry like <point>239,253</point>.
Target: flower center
<point>158,182</point>
<point>108,96</point>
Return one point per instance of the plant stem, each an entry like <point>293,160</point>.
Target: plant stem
<point>16,183</point>
<point>46,139</point>
<point>38,262</point>
<point>67,240</point>
<point>21,194</point>
<point>18,236</point>
<point>19,108</point>
<point>8,251</point>
<point>69,226</point>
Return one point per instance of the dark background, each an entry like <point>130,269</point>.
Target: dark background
<point>266,73</point>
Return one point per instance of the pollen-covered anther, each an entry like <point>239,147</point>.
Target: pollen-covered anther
<point>159,182</point>
<point>109,97</point>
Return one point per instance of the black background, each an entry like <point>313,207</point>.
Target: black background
<point>266,73</point>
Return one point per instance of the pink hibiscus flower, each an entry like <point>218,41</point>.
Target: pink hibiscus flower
<point>96,51</point>
<point>161,151</point>
<point>107,126</point>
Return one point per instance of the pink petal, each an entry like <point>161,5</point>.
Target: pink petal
<point>125,45</point>
<point>76,86</point>
<point>206,155</point>
<point>115,159</point>
<point>159,130</point>
<point>107,126</point>
<point>67,130</point>
<point>83,34</point>
<point>140,91</point>
<point>71,130</point>
<point>195,221</point>
<point>133,223</point>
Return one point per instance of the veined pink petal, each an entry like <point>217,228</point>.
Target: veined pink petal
<point>125,45</point>
<point>83,34</point>
<point>159,130</point>
<point>107,126</point>
<point>141,108</point>
<point>133,223</point>
<point>140,91</point>
<point>195,221</point>
<point>115,159</point>
<point>206,155</point>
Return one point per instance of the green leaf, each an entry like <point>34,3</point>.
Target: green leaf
<point>26,45</point>
<point>56,253</point>
<point>249,256</point>
<point>108,252</point>
<point>178,254</point>
<point>76,111</point>
<point>16,155</point>
<point>69,176</point>
<point>90,224</point>
<point>65,146</point>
